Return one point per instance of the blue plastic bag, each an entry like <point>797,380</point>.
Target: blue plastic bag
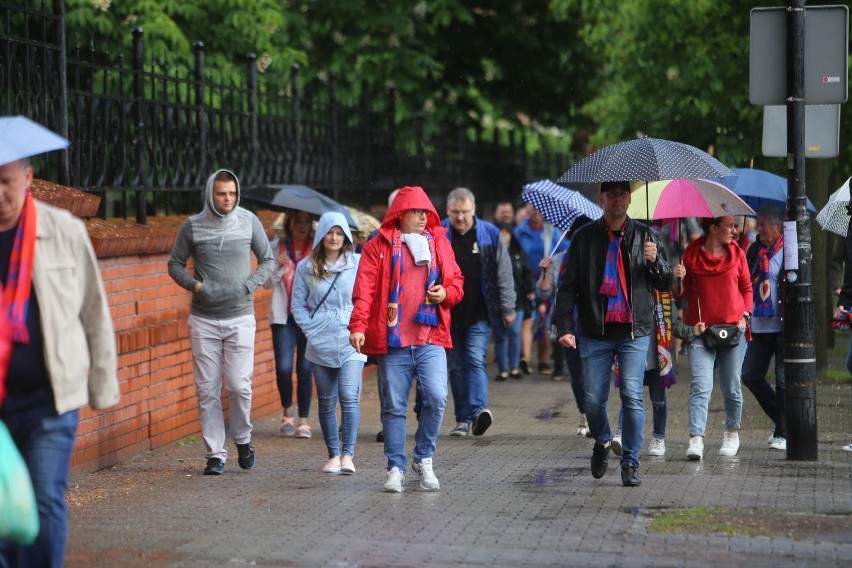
<point>18,509</point>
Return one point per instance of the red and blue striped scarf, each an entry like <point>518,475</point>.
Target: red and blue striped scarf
<point>763,307</point>
<point>427,313</point>
<point>16,294</point>
<point>614,282</point>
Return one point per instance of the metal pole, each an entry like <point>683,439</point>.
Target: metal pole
<point>139,117</point>
<point>799,333</point>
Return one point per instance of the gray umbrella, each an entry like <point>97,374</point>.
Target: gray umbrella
<point>645,159</point>
<point>297,197</point>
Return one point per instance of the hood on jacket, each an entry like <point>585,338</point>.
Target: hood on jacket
<point>328,221</point>
<point>705,264</point>
<point>208,195</point>
<point>410,198</point>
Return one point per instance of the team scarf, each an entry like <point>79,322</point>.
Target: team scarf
<point>663,314</point>
<point>16,294</point>
<point>427,313</point>
<point>614,282</point>
<point>289,273</point>
<point>763,307</point>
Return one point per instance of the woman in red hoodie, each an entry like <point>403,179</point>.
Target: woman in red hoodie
<point>714,276</point>
<point>407,282</point>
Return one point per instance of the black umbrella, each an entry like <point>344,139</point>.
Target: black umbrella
<point>645,159</point>
<point>297,197</point>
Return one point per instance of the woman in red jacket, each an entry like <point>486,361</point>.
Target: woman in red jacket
<point>407,282</point>
<point>714,277</point>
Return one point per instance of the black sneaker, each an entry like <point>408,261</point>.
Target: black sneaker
<point>525,368</point>
<point>380,437</point>
<point>501,378</point>
<point>600,453</point>
<point>517,376</point>
<point>630,476</point>
<point>215,466</point>
<point>482,422</point>
<point>544,369</point>
<point>246,456</point>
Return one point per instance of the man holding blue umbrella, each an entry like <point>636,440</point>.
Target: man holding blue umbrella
<point>63,348</point>
<point>612,267</point>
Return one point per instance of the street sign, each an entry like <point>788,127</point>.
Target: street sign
<point>822,131</point>
<point>826,44</point>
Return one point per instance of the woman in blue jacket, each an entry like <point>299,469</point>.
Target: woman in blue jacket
<point>322,305</point>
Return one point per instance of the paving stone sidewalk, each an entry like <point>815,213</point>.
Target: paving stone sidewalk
<point>521,495</point>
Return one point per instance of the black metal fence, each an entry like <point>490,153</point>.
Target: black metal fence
<point>145,136</point>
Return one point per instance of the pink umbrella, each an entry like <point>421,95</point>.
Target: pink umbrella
<point>674,199</point>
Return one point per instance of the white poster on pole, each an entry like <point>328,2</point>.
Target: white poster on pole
<point>791,246</point>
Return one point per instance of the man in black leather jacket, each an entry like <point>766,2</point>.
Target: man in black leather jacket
<point>615,317</point>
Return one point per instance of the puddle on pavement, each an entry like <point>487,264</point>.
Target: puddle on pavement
<point>551,480</point>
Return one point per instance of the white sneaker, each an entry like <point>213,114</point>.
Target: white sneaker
<point>428,481</point>
<point>396,479</point>
<point>778,443</point>
<point>657,447</point>
<point>730,444</point>
<point>696,448</point>
<point>615,444</point>
<point>771,437</point>
<point>583,426</point>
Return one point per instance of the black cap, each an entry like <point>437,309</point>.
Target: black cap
<point>612,185</point>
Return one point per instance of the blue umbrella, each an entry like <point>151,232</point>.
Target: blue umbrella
<point>760,188</point>
<point>23,138</point>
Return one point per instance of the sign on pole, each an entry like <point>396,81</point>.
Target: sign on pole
<point>825,67</point>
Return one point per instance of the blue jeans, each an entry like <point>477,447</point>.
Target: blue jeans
<point>343,384</point>
<point>468,377</point>
<point>849,357</point>
<point>46,442</point>
<point>597,357</point>
<point>657,394</point>
<point>287,339</point>
<point>701,363</point>
<point>755,365</point>
<point>507,344</point>
<point>397,370</point>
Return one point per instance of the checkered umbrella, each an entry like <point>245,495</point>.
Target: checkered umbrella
<point>558,205</point>
<point>835,215</point>
<point>645,159</point>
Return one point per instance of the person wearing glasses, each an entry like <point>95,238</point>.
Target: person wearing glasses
<point>407,281</point>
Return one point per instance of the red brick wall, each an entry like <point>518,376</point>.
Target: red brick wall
<point>158,404</point>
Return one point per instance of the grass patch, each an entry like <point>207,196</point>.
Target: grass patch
<point>751,523</point>
<point>698,520</point>
<point>188,441</point>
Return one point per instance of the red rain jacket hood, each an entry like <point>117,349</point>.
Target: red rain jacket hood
<point>370,293</point>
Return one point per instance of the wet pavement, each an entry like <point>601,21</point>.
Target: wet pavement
<point>521,495</point>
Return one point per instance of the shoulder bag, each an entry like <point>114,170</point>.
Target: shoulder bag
<point>719,336</point>
<point>313,311</point>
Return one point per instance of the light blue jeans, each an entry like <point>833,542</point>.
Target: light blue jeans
<point>597,357</point>
<point>701,363</point>
<point>468,376</point>
<point>507,344</point>
<point>397,369</point>
<point>343,384</point>
<point>46,442</point>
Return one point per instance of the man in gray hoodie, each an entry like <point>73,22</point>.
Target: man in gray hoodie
<point>221,324</point>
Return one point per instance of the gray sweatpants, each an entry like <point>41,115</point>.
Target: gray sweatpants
<point>223,346</point>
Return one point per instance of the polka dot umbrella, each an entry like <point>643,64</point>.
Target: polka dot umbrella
<point>559,206</point>
<point>647,159</point>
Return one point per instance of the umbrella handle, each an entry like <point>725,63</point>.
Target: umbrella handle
<point>559,242</point>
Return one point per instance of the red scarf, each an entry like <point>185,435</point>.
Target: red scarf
<point>614,284</point>
<point>19,282</point>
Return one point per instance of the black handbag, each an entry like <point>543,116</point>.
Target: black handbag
<point>719,336</point>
